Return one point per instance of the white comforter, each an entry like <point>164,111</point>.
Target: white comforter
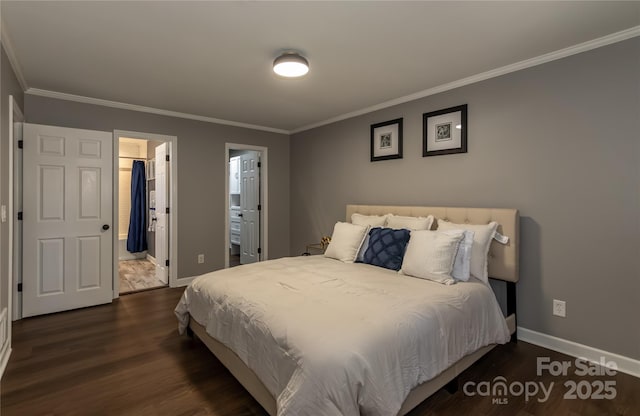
<point>329,338</point>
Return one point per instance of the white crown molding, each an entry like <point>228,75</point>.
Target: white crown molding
<point>135,107</point>
<point>625,364</point>
<point>528,63</point>
<point>8,48</point>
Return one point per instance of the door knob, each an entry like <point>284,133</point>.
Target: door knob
<point>239,215</point>
<point>105,227</point>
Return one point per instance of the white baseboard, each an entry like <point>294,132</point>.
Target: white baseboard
<point>5,340</point>
<point>184,281</point>
<point>4,360</point>
<point>131,256</point>
<point>625,364</point>
<point>151,259</point>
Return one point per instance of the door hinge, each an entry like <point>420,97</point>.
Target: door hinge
<point>166,262</point>
<point>259,250</point>
<point>19,287</point>
<point>20,144</point>
<point>167,157</point>
<point>259,207</point>
<point>259,164</point>
<point>166,210</point>
<point>20,216</point>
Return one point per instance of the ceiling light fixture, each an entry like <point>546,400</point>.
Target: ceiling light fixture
<point>290,65</point>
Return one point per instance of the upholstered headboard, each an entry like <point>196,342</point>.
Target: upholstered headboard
<point>503,258</point>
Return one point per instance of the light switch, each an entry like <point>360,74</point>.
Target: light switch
<point>3,213</point>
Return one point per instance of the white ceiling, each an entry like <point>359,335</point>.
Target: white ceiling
<point>214,59</point>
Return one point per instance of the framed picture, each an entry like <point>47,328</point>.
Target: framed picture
<point>386,140</point>
<point>445,131</point>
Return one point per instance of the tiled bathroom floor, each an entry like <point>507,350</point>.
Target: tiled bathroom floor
<point>137,275</point>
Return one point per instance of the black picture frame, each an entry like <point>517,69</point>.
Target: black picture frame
<point>436,134</point>
<point>386,140</point>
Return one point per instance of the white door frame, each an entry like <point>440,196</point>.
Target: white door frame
<point>264,213</point>
<point>7,315</point>
<point>173,202</point>
<point>15,205</point>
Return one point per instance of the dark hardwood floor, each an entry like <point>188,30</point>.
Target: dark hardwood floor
<point>128,359</point>
<point>234,260</point>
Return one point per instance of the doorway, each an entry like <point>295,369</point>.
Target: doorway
<point>137,200</point>
<point>246,204</point>
<point>144,219</point>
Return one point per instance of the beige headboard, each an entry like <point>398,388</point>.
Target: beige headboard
<point>503,259</point>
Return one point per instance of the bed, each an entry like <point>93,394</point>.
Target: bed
<point>349,338</point>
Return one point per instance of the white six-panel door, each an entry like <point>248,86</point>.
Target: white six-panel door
<point>162,229</point>
<point>249,200</point>
<point>67,215</point>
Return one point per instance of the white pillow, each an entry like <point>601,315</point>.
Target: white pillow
<point>430,255</point>
<point>346,241</point>
<point>483,234</point>
<point>363,248</point>
<point>462,263</point>
<point>410,223</point>
<point>370,220</point>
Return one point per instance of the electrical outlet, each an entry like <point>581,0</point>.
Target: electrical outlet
<point>200,258</point>
<point>560,308</point>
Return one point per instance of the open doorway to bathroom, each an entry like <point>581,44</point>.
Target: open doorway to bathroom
<point>246,208</point>
<point>143,194</point>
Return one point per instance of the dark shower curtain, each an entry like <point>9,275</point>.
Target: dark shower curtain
<point>137,238</point>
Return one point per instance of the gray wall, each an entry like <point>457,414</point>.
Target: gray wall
<point>8,86</point>
<point>201,167</point>
<point>558,141</point>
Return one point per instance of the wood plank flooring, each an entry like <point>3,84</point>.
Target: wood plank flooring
<point>234,260</point>
<point>128,359</point>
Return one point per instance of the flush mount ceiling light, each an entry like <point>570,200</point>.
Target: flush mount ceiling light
<point>291,65</point>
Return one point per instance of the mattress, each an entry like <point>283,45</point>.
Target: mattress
<point>331,338</point>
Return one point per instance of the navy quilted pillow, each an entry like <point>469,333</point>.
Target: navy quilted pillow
<point>386,247</point>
